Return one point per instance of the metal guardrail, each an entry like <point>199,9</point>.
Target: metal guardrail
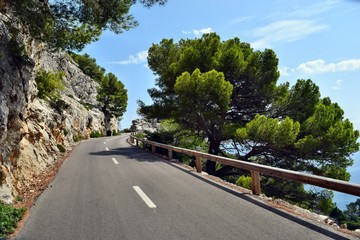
<point>256,169</point>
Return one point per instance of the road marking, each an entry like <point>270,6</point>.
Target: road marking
<point>107,149</point>
<point>104,142</point>
<point>114,160</point>
<point>145,198</point>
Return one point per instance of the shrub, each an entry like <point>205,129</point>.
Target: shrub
<point>244,181</point>
<point>49,84</point>
<point>115,133</point>
<point>96,134</point>
<point>140,135</point>
<point>126,130</point>
<point>78,138</point>
<point>61,148</point>
<point>9,217</point>
<point>59,105</point>
<point>87,106</point>
<point>351,225</point>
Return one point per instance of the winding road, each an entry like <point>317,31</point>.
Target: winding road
<point>108,189</point>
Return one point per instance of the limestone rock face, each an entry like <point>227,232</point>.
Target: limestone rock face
<point>31,128</point>
<point>142,125</point>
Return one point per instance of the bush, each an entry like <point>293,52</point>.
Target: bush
<point>61,148</point>
<point>351,225</point>
<point>59,105</point>
<point>115,133</point>
<point>126,130</point>
<point>244,181</point>
<point>87,106</point>
<point>140,135</point>
<point>9,217</point>
<point>78,138</point>
<point>49,84</point>
<point>96,134</point>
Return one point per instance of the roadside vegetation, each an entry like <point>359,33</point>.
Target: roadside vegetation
<point>222,97</point>
<point>9,217</point>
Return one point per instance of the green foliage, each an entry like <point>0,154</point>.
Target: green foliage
<point>115,133</point>
<point>268,130</point>
<point>112,95</point>
<point>111,92</point>
<point>9,217</point>
<point>59,104</point>
<point>339,215</point>
<point>226,92</point>
<point>17,51</point>
<point>244,181</point>
<point>126,130</point>
<point>78,137</point>
<point>96,134</point>
<point>87,106</point>
<point>353,209</point>
<point>140,135</point>
<point>323,200</point>
<point>66,132</point>
<point>351,216</point>
<point>72,24</point>
<point>61,148</point>
<point>352,225</point>
<point>89,66</point>
<point>49,84</point>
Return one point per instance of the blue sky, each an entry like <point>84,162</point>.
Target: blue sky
<point>312,39</point>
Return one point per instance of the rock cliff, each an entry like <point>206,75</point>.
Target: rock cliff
<point>32,129</point>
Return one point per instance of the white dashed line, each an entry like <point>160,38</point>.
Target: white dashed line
<point>114,160</point>
<point>143,196</point>
<point>107,149</point>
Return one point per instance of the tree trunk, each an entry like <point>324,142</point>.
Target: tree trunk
<point>213,149</point>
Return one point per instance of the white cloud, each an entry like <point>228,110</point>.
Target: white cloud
<point>186,32</point>
<point>284,71</point>
<point>198,32</point>
<point>337,85</point>
<point>202,31</point>
<point>241,19</point>
<point>140,57</point>
<point>284,31</point>
<point>320,66</point>
<point>315,9</point>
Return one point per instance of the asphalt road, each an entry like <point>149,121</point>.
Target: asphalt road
<point>95,196</point>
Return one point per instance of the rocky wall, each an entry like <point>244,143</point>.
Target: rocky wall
<point>31,129</point>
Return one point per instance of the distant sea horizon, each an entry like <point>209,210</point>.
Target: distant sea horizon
<point>342,199</point>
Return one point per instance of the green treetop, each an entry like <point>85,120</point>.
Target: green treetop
<point>277,125</point>
<point>71,24</point>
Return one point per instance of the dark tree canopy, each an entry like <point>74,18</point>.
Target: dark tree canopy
<point>277,125</point>
<point>89,66</point>
<point>112,94</point>
<point>71,24</point>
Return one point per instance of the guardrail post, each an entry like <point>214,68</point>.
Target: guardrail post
<point>198,164</point>
<point>131,139</point>
<point>137,142</point>
<point>170,154</point>
<point>153,148</point>
<point>255,182</point>
<point>144,145</point>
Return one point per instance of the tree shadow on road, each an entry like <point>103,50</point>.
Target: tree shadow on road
<point>141,155</point>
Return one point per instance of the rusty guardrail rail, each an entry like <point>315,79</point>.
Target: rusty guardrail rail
<point>256,169</point>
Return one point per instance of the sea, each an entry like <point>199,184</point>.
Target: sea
<point>342,199</point>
